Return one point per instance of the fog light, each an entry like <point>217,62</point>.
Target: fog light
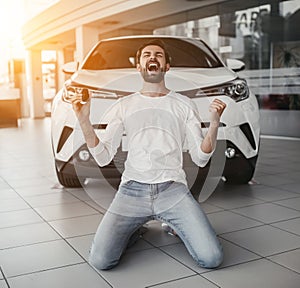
<point>230,152</point>
<point>84,155</point>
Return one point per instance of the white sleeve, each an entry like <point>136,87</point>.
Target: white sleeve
<point>110,140</point>
<point>194,138</point>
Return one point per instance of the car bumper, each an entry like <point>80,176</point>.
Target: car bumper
<point>223,166</point>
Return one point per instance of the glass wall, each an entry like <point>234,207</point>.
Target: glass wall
<point>265,37</point>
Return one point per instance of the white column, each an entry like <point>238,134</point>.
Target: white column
<point>35,83</point>
<point>61,76</point>
<point>86,38</point>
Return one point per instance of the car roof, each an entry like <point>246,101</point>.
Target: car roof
<point>150,36</point>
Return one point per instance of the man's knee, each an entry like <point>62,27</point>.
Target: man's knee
<point>101,262</point>
<point>211,260</point>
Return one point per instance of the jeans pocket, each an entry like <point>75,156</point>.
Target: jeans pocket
<point>167,184</point>
<point>128,183</point>
<point>133,189</point>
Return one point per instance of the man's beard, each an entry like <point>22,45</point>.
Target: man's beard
<point>153,78</point>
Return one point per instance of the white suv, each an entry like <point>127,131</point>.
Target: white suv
<point>108,72</point>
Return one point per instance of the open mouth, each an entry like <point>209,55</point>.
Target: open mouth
<point>153,67</point>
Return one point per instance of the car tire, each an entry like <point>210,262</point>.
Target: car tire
<point>68,181</point>
<point>241,178</point>
<point>241,173</point>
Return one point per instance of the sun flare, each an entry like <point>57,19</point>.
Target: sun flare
<point>11,21</point>
<point>11,17</point>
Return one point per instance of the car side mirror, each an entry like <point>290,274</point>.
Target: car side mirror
<point>235,65</point>
<point>132,61</point>
<point>70,67</point>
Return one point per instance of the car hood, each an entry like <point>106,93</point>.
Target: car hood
<point>177,79</point>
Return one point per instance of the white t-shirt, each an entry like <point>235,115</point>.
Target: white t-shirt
<point>157,129</point>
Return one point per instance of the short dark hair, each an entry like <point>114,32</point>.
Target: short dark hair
<point>154,42</point>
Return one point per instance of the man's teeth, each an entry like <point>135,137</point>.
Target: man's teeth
<point>152,67</point>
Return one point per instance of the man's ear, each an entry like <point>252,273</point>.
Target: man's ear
<point>167,67</point>
<point>138,67</point>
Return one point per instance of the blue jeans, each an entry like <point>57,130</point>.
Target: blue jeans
<point>135,204</point>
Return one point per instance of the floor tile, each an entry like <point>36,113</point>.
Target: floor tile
<point>233,255</point>
<point>208,208</point>
<point>271,194</point>
<point>77,226</point>
<point>39,190</point>
<point>26,234</point>
<point>267,212</point>
<point>35,182</point>
<point>289,259</point>
<point>292,187</point>
<point>274,180</point>
<point>292,174</point>
<point>292,225</point>
<point>15,218</point>
<point>271,169</point>
<point>100,191</point>
<point>8,194</point>
<point>18,173</point>
<point>133,270</point>
<point>7,205</point>
<point>293,203</point>
<point>226,221</point>
<point>94,205</point>
<point>264,240</point>
<point>80,194</point>
<point>51,199</point>
<point>82,244</point>
<point>231,201</point>
<point>76,276</point>
<point>3,284</point>
<point>63,211</point>
<point>4,185</point>
<point>141,244</point>
<point>259,273</point>
<point>42,256</point>
<point>189,282</point>
<point>180,253</point>
<point>157,237</point>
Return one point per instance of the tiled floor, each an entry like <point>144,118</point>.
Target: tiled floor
<point>46,231</point>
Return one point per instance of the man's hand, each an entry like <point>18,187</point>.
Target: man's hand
<point>82,111</point>
<point>216,109</point>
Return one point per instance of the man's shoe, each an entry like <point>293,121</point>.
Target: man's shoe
<point>165,227</point>
<point>136,236</point>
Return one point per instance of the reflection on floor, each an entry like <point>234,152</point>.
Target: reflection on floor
<point>46,231</point>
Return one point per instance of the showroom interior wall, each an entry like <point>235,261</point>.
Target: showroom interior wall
<point>259,32</point>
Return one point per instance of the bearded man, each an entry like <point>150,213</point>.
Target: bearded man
<point>157,123</point>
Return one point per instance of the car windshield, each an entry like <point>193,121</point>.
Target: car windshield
<point>120,53</point>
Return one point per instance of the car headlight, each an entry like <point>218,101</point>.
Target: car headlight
<point>71,92</point>
<point>237,89</point>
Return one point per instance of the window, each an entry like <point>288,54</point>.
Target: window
<point>116,54</point>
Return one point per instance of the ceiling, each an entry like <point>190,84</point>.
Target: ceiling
<point>139,20</point>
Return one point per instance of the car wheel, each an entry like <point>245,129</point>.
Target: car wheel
<point>239,178</point>
<point>240,173</point>
<point>68,181</point>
